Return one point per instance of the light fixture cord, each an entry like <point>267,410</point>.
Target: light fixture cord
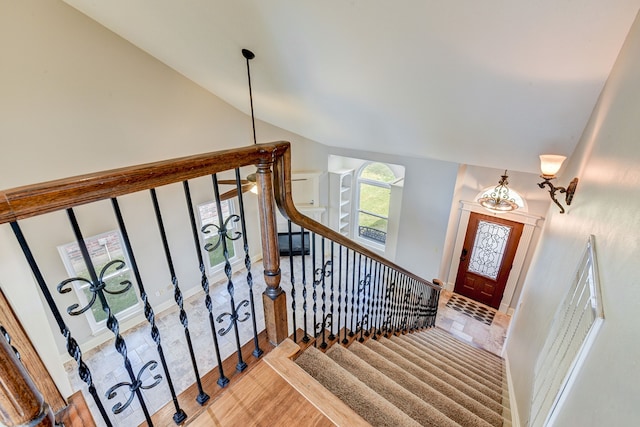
<point>253,120</point>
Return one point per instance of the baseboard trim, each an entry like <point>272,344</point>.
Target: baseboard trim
<point>513,405</point>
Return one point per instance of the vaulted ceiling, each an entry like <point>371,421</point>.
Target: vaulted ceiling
<point>492,83</point>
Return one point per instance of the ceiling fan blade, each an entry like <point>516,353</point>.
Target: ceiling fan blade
<point>228,195</point>
<point>234,193</point>
<point>232,181</point>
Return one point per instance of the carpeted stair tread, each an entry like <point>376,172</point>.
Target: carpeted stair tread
<point>491,414</point>
<point>409,376</point>
<point>451,340</point>
<point>456,362</point>
<point>451,343</point>
<point>403,399</point>
<point>357,395</point>
<point>490,399</point>
<point>449,366</point>
<point>486,369</point>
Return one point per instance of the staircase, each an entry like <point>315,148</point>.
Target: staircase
<point>426,378</point>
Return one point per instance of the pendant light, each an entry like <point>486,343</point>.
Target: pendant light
<point>499,201</point>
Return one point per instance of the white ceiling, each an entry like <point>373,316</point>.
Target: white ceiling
<point>491,83</point>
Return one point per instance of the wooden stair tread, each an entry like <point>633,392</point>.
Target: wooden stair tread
<point>261,398</point>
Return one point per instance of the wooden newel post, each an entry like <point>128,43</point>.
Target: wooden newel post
<point>21,404</point>
<point>273,298</point>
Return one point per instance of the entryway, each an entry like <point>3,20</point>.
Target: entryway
<point>486,258</point>
<point>494,295</point>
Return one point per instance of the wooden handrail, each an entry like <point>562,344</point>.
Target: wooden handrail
<point>37,199</point>
<point>282,190</point>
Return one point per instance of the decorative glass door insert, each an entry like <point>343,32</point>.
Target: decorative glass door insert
<point>488,249</point>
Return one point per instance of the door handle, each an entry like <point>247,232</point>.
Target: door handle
<point>464,255</point>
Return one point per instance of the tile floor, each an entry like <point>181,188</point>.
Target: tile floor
<point>107,367</point>
<point>489,337</point>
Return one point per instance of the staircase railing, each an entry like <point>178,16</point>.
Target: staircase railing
<point>154,208</point>
<point>354,291</point>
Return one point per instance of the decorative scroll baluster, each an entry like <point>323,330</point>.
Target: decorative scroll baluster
<point>257,351</point>
<point>305,338</point>
<point>72,346</point>
<point>346,297</point>
<point>381,292</point>
<point>204,283</point>
<point>374,299</point>
<point>353,330</point>
<point>381,300</point>
<point>98,287</point>
<point>321,275</point>
<point>405,306</point>
<point>314,293</point>
<point>177,295</point>
<point>364,285</point>
<point>234,318</point>
<point>359,289</point>
<point>332,336</point>
<point>370,297</point>
<point>293,279</point>
<point>339,288</point>
<point>179,416</point>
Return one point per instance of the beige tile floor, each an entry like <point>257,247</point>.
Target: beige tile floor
<point>489,337</point>
<point>107,367</point>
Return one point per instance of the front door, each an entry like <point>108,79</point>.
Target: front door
<point>487,257</point>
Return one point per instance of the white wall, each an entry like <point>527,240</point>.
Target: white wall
<point>76,98</point>
<point>426,201</point>
<point>607,205</point>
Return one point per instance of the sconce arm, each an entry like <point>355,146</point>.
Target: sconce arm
<point>552,192</point>
<point>569,191</point>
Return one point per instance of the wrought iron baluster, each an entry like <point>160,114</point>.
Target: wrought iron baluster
<point>98,288</point>
<point>234,317</point>
<point>305,338</point>
<point>359,288</point>
<point>370,297</point>
<point>332,336</point>
<point>381,299</point>
<point>257,351</point>
<point>434,307</point>
<point>364,285</point>
<point>405,305</point>
<point>293,280</point>
<point>179,416</point>
<point>72,346</point>
<point>375,293</point>
<point>353,331</point>
<point>392,292</point>
<point>204,282</point>
<point>346,297</point>
<point>314,294</point>
<point>321,275</point>
<point>381,292</point>
<point>177,296</point>
<point>339,289</point>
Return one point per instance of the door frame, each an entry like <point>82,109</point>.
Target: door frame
<point>530,223</point>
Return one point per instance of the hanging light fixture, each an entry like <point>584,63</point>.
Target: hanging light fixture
<point>248,184</point>
<point>499,201</point>
<point>249,56</point>
<point>550,165</point>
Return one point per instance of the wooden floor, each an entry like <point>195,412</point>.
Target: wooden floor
<point>261,398</point>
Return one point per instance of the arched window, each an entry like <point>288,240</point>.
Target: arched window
<point>374,195</point>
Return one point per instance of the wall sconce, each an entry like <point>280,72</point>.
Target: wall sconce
<point>550,165</point>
